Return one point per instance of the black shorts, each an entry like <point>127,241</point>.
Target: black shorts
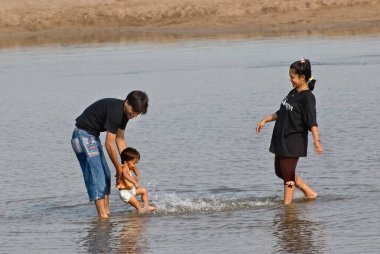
<point>285,167</point>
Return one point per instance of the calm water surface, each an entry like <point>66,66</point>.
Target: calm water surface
<point>210,175</point>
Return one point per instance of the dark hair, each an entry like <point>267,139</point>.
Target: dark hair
<point>139,101</point>
<point>303,68</point>
<point>129,154</point>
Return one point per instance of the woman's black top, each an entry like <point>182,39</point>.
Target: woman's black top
<point>296,116</point>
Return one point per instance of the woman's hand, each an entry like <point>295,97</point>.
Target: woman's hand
<point>260,126</point>
<point>318,147</point>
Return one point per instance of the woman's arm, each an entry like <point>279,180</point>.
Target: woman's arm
<point>317,142</point>
<point>270,118</point>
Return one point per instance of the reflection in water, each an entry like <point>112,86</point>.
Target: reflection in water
<point>123,235</point>
<point>296,234</point>
<point>98,239</point>
<point>132,237</point>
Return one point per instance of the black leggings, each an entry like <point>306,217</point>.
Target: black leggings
<point>285,167</point>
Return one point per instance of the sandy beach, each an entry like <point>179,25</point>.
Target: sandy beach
<point>40,21</point>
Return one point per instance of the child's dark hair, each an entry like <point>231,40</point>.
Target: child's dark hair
<point>129,154</point>
<point>303,67</point>
<point>139,101</point>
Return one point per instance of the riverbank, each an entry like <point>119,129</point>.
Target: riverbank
<point>25,22</point>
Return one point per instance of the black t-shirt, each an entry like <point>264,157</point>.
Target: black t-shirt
<point>103,115</point>
<point>296,116</point>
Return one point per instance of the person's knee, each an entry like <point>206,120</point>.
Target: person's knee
<point>290,184</point>
<point>143,190</point>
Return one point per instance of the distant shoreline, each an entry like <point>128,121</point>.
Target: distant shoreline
<point>90,21</point>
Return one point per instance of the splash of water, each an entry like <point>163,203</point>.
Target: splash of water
<point>173,204</point>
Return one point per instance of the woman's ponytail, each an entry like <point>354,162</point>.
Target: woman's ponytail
<point>311,83</point>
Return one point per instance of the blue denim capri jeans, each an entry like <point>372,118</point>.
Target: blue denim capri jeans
<point>96,174</point>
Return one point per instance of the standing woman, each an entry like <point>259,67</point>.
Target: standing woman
<point>296,116</point>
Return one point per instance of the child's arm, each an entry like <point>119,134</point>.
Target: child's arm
<point>270,118</point>
<point>137,173</point>
<point>128,177</point>
<point>317,142</point>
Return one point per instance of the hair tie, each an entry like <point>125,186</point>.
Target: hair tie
<point>302,60</point>
<point>310,79</point>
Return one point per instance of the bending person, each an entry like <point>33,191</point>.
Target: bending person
<point>109,115</point>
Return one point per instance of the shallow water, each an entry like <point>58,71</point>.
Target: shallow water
<point>207,171</point>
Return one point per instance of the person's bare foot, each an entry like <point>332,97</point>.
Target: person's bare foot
<point>146,209</point>
<point>313,195</point>
<point>307,191</point>
<point>151,208</point>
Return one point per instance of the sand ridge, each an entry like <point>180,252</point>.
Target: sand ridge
<point>31,17</point>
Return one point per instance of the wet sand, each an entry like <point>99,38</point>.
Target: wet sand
<point>24,22</point>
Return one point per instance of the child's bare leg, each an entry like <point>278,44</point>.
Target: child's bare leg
<point>144,196</point>
<point>289,189</point>
<point>136,204</point>
<point>100,206</point>
<point>307,191</point>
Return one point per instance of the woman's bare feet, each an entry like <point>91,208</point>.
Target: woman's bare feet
<point>307,191</point>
